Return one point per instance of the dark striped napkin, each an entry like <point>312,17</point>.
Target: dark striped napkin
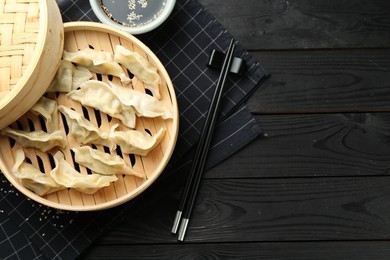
<point>29,230</point>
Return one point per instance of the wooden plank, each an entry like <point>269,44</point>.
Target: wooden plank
<point>275,209</point>
<point>323,81</point>
<point>351,144</point>
<point>277,250</point>
<point>319,182</point>
<point>303,24</point>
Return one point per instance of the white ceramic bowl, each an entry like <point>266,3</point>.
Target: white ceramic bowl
<point>102,16</point>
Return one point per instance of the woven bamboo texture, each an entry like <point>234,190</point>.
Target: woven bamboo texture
<point>31,44</point>
<point>19,29</point>
<point>80,35</point>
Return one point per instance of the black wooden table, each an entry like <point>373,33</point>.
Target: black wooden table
<point>316,185</point>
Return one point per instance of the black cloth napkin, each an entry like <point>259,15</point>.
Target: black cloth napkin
<point>29,230</point>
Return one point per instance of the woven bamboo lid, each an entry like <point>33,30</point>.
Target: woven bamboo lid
<point>31,44</point>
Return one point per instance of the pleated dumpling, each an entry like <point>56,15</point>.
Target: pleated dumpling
<point>62,81</point>
<point>143,104</point>
<point>136,142</point>
<point>32,178</point>
<point>64,174</point>
<point>47,108</point>
<point>99,95</point>
<point>80,75</point>
<point>103,163</point>
<point>83,130</point>
<point>97,61</point>
<point>37,139</point>
<point>141,68</point>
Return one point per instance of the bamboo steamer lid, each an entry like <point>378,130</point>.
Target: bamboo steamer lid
<point>31,45</point>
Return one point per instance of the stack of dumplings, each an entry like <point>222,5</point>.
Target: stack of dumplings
<point>72,139</point>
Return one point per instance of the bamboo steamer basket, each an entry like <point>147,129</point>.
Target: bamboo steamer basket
<point>77,36</point>
<point>31,44</point>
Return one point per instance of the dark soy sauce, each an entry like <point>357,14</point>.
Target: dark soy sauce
<point>133,13</point>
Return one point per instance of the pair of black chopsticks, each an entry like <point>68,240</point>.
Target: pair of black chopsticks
<point>197,166</point>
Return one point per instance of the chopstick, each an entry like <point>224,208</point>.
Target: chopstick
<point>198,163</point>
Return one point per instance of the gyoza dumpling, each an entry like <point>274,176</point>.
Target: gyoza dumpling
<point>80,75</point>
<point>141,68</point>
<point>99,95</point>
<point>83,130</point>
<point>32,178</point>
<point>143,104</point>
<point>67,176</point>
<point>62,81</point>
<point>47,108</point>
<point>37,139</point>
<point>87,57</point>
<point>136,142</point>
<point>103,163</point>
<point>97,61</point>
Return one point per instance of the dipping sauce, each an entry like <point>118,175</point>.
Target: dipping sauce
<point>133,13</point>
